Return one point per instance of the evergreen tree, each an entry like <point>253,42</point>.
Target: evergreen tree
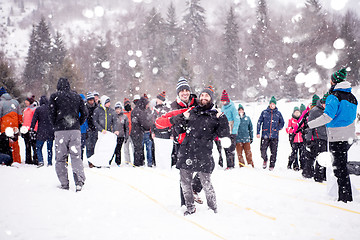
<point>231,50</point>
<point>58,51</point>
<point>7,79</point>
<point>194,25</point>
<point>350,55</point>
<point>31,73</point>
<point>103,78</point>
<point>172,37</point>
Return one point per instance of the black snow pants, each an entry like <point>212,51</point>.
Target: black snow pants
<point>273,144</point>
<point>312,150</point>
<point>339,151</point>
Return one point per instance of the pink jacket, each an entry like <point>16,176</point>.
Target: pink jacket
<point>27,117</point>
<point>291,130</point>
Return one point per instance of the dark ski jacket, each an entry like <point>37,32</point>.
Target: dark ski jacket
<point>5,147</point>
<point>319,132</point>
<point>45,129</point>
<point>91,109</point>
<point>67,109</point>
<point>123,125</point>
<point>141,120</point>
<point>106,119</point>
<point>202,127</point>
<point>270,122</point>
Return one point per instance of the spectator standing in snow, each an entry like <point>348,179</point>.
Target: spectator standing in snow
<point>296,142</point>
<point>244,138</point>
<point>96,97</point>
<point>123,131</point>
<point>29,135</point>
<point>339,116</point>
<point>270,123</point>
<point>105,118</point>
<point>45,132</point>
<point>140,123</point>
<point>128,143</point>
<point>67,114</point>
<point>234,120</point>
<point>316,143</point>
<point>10,116</point>
<point>83,130</point>
<point>91,132</point>
<point>202,125</point>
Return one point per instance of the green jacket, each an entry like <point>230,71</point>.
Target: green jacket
<point>245,131</point>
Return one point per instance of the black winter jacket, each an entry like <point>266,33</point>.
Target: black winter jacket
<point>202,127</point>
<point>160,133</point>
<point>319,132</point>
<point>91,109</point>
<point>141,120</point>
<point>67,108</point>
<point>45,128</point>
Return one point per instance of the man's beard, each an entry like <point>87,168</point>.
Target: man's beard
<point>204,103</point>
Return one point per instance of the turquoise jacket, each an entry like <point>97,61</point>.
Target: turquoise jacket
<point>245,131</point>
<point>232,115</point>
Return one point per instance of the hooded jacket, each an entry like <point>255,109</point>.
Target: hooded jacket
<point>339,114</point>
<point>10,113</point>
<point>141,120</point>
<point>41,117</point>
<point>67,109</point>
<point>105,118</point>
<point>270,122</point>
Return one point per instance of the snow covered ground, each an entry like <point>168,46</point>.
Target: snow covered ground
<point>144,203</point>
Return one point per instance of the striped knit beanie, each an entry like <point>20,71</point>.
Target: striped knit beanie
<point>339,76</point>
<point>126,101</point>
<point>181,85</point>
<point>118,105</point>
<point>225,96</point>
<point>315,98</point>
<point>323,99</point>
<point>209,90</point>
<point>161,96</point>
<point>89,96</point>
<point>96,93</point>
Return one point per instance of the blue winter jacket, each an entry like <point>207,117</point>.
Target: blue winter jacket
<point>85,126</point>
<point>232,115</point>
<point>271,122</point>
<point>245,131</point>
<point>339,114</point>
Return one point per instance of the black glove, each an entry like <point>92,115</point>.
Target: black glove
<point>251,141</point>
<point>291,137</point>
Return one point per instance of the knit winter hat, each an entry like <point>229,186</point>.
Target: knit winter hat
<point>240,107</point>
<point>126,101</point>
<point>182,84</point>
<point>146,96</point>
<point>225,96</point>
<point>315,98</point>
<point>96,93</point>
<point>89,96</point>
<point>104,100</point>
<point>2,91</point>
<point>136,97</point>
<point>323,99</point>
<point>296,109</point>
<point>272,100</point>
<point>302,108</point>
<point>209,90</point>
<point>161,96</point>
<point>31,99</point>
<point>118,105</point>
<point>339,76</point>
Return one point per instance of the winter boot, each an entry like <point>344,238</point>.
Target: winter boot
<point>264,165</point>
<point>197,198</point>
<point>187,212</point>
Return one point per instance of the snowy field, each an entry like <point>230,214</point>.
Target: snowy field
<point>144,203</point>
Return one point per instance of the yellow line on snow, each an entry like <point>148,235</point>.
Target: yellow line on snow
<point>161,205</point>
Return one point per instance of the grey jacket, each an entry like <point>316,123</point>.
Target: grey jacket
<point>106,119</point>
<point>318,132</point>
<point>124,125</point>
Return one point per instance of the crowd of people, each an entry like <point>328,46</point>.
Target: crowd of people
<point>190,126</point>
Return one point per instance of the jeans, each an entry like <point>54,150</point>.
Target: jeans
<point>39,146</point>
<point>5,159</point>
<point>148,145</point>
